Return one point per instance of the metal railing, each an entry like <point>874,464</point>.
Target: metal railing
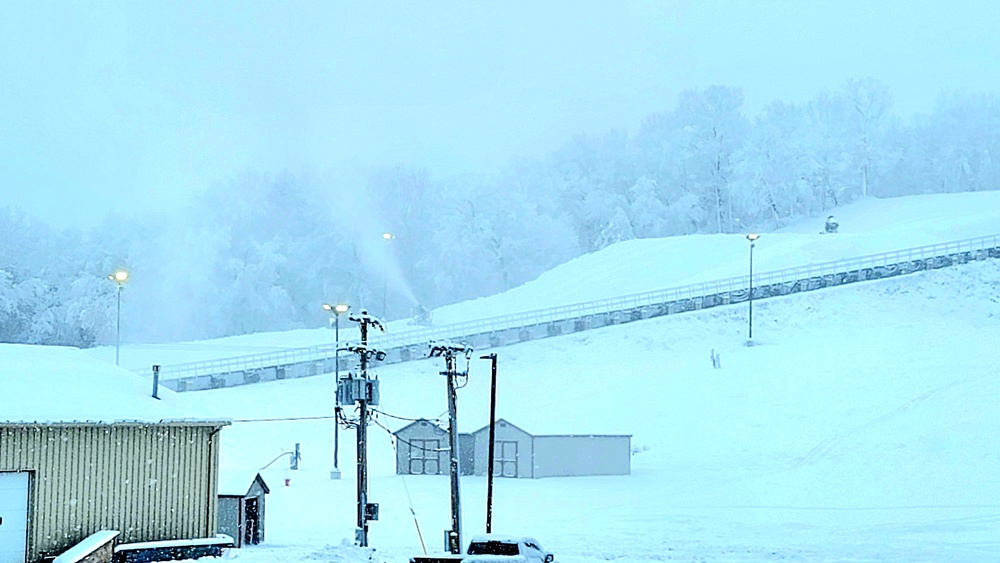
<point>596,307</point>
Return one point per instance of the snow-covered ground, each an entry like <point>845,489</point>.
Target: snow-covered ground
<point>863,428</point>
<point>865,425</point>
<point>866,227</point>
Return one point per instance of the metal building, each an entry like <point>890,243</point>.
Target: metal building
<point>84,447</point>
<point>241,506</point>
<point>61,482</point>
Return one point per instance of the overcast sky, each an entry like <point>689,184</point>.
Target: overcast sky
<point>133,105</point>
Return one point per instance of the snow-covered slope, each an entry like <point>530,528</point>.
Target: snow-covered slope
<point>863,428</point>
<point>867,227</point>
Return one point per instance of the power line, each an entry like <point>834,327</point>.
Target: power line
<point>284,419</point>
<point>412,445</point>
<point>397,417</point>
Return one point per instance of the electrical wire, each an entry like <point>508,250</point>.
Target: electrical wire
<point>285,419</point>
<point>392,439</point>
<point>412,445</point>
<point>439,418</point>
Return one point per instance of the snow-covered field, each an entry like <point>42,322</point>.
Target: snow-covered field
<point>865,426</point>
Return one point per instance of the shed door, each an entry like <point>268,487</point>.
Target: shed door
<point>13,516</point>
<point>251,533</point>
<point>505,458</point>
<point>425,457</point>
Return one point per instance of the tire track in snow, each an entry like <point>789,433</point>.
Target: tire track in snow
<point>823,448</point>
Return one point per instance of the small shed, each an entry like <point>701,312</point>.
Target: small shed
<point>421,449</point>
<point>512,450</point>
<point>241,506</point>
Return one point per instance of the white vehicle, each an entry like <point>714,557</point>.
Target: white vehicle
<point>496,548</point>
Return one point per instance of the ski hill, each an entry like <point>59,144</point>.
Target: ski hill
<point>863,427</point>
<point>867,227</point>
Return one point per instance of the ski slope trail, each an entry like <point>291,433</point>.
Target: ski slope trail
<point>867,227</point>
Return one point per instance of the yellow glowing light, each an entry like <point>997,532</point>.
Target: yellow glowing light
<point>121,276</point>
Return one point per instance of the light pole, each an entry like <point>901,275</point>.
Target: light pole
<point>337,310</point>
<point>119,277</point>
<point>752,237</point>
<point>387,237</point>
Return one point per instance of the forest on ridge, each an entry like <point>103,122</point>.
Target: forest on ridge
<point>263,251</point>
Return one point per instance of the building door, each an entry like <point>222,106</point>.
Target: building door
<point>425,457</point>
<point>13,516</point>
<point>251,531</point>
<point>505,458</point>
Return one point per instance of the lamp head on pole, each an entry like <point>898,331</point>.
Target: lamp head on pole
<point>120,276</point>
<point>339,308</point>
<point>752,237</point>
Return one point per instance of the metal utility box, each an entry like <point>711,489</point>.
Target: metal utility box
<point>352,390</point>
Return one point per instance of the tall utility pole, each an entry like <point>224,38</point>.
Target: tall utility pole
<point>753,240</point>
<point>362,391</point>
<point>448,351</point>
<point>493,419</point>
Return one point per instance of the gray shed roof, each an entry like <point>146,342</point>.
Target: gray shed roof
<point>416,422</point>
<point>237,483</point>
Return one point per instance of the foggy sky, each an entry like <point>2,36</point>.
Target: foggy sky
<point>132,106</point>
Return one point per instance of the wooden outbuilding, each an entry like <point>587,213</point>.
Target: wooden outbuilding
<point>241,506</point>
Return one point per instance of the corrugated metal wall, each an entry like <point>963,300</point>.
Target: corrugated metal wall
<point>148,481</point>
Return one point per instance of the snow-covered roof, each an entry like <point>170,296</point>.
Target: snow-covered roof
<point>423,421</point>
<point>236,483</point>
<point>57,384</point>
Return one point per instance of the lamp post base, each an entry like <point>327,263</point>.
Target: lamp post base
<point>334,474</point>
